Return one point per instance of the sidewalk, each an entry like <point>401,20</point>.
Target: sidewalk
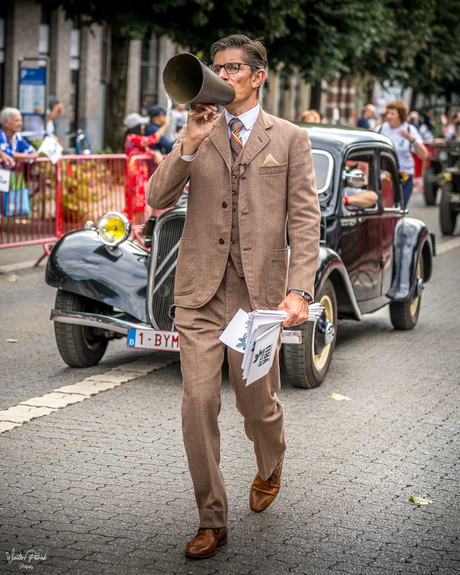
<point>21,258</point>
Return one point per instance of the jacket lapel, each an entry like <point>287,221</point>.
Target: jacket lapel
<point>219,137</point>
<point>259,137</point>
<point>255,144</point>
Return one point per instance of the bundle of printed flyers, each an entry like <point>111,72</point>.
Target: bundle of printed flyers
<point>256,336</point>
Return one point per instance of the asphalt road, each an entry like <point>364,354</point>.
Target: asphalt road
<point>102,486</point>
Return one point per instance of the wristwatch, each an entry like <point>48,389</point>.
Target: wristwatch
<point>304,294</point>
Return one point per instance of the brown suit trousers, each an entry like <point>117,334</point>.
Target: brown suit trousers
<point>202,356</point>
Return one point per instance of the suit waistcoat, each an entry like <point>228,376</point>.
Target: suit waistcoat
<point>235,246</point>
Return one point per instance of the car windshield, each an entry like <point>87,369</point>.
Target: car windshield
<point>323,164</point>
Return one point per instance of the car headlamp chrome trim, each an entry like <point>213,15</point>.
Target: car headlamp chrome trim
<point>113,228</point>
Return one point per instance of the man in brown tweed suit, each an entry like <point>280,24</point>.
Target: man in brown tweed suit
<point>251,185</point>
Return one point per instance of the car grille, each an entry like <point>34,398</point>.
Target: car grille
<point>168,238</point>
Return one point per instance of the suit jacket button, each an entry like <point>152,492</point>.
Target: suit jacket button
<point>233,178</point>
<point>221,241</point>
<point>224,204</point>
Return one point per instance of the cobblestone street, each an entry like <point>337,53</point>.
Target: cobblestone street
<point>102,485</point>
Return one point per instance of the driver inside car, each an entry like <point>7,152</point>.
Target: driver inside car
<point>354,196</point>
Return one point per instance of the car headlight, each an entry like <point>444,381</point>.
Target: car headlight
<point>113,228</point>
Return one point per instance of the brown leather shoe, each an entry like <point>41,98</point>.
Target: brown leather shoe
<point>264,492</point>
<point>204,543</point>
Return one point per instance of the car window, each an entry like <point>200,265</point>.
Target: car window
<point>388,183</point>
<point>359,164</point>
<point>323,164</point>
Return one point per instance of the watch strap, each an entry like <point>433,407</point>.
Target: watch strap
<point>304,294</point>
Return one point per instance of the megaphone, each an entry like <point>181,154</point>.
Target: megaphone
<point>189,81</point>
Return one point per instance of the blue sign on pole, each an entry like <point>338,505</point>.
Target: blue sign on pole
<point>32,91</point>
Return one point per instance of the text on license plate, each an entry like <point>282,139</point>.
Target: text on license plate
<point>169,340</point>
<point>153,339</point>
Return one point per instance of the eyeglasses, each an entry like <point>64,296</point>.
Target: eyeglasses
<point>231,68</point>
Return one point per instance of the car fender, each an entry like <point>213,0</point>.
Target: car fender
<point>117,276</point>
<point>331,266</point>
<point>411,240</point>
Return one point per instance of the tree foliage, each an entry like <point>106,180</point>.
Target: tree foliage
<point>414,42</point>
<point>420,47</point>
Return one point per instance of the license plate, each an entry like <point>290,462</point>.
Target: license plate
<point>169,340</point>
<point>153,339</point>
<point>291,336</point>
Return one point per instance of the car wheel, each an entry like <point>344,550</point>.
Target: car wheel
<point>307,363</point>
<point>78,345</point>
<point>404,314</point>
<point>447,216</point>
<point>430,186</point>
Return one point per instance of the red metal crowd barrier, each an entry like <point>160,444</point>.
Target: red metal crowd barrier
<point>139,169</point>
<point>29,209</point>
<point>87,187</point>
<point>45,201</point>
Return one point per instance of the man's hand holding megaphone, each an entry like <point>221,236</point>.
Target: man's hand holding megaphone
<point>199,126</point>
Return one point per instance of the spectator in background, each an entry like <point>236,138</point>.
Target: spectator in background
<point>178,112</point>
<point>368,113</point>
<point>428,120</point>
<point>406,139</point>
<point>137,144</point>
<point>456,135</point>
<point>55,109</point>
<point>414,119</point>
<point>380,122</point>
<point>310,117</point>
<point>6,161</point>
<point>449,128</point>
<point>11,141</point>
<point>158,119</point>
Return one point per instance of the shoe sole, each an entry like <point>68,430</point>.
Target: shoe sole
<point>263,509</point>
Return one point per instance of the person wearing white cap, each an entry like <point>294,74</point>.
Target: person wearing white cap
<point>134,119</point>
<point>136,142</point>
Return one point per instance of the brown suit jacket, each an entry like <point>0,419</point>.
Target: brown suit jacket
<point>271,199</point>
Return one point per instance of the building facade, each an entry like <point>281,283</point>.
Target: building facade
<point>77,62</point>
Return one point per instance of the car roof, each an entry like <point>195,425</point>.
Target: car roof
<point>341,137</point>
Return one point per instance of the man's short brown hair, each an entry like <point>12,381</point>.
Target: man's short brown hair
<point>254,51</point>
<point>400,107</point>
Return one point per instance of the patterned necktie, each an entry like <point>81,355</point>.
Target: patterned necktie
<point>236,142</point>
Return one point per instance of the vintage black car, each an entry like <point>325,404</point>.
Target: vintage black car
<point>111,287</point>
<point>449,205</point>
<point>432,176</point>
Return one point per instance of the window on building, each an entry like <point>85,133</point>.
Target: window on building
<point>75,37</point>
<point>44,33</point>
<point>150,64</point>
<point>105,54</point>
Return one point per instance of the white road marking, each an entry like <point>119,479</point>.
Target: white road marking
<point>64,396</point>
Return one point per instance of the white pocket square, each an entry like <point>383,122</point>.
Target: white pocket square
<point>270,161</point>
